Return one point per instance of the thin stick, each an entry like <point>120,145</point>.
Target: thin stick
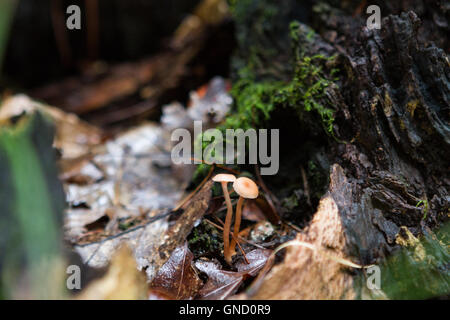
<point>240,248</point>
<point>271,196</point>
<point>305,186</point>
<point>292,226</point>
<point>233,236</point>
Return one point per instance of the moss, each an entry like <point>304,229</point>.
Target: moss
<point>205,240</point>
<point>255,100</point>
<point>305,92</point>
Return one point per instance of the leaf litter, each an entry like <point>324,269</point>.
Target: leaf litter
<point>121,196</point>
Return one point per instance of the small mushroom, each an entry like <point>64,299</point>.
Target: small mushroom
<point>224,179</point>
<point>246,188</point>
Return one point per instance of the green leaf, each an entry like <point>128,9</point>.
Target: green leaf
<point>31,203</point>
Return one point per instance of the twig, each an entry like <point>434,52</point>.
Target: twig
<point>232,235</point>
<point>272,197</point>
<point>150,220</point>
<point>306,186</point>
<point>292,226</point>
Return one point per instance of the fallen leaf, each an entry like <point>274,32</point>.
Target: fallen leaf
<point>261,231</point>
<point>125,177</point>
<point>144,241</point>
<point>74,137</point>
<point>222,284</point>
<point>123,281</point>
<point>194,210</point>
<point>257,259</point>
<point>152,242</point>
<point>210,104</point>
<point>176,278</point>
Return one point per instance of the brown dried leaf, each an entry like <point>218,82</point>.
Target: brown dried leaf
<point>221,284</point>
<point>177,278</point>
<point>194,210</point>
<point>257,259</point>
<point>154,241</point>
<point>122,281</point>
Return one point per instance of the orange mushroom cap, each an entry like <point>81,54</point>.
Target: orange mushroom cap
<point>246,188</point>
<point>224,177</point>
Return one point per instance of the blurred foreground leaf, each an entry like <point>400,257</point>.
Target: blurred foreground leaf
<point>31,207</point>
<point>123,281</point>
<point>420,269</point>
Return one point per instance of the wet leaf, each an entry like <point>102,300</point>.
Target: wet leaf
<point>154,240</point>
<point>257,259</point>
<point>222,284</point>
<point>126,177</point>
<point>177,278</point>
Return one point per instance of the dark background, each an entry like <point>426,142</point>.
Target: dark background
<point>128,30</point>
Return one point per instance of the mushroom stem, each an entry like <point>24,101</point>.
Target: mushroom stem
<point>226,228</point>
<point>237,223</point>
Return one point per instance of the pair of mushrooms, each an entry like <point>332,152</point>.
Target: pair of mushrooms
<point>246,189</point>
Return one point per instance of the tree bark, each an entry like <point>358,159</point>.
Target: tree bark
<point>391,136</point>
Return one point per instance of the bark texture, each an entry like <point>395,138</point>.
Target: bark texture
<point>390,146</point>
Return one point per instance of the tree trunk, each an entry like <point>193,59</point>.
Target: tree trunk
<point>389,146</point>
